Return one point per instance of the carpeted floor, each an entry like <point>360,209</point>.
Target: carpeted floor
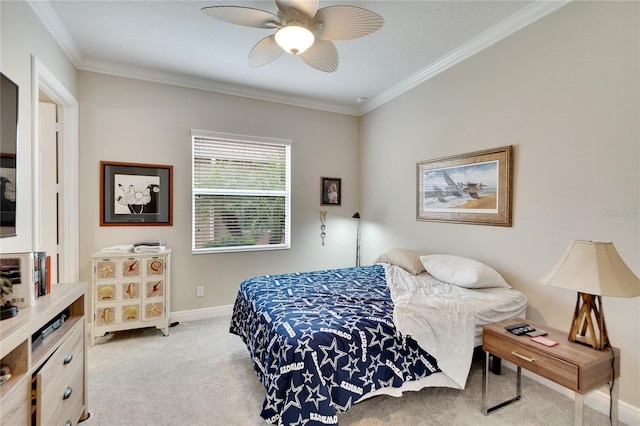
<point>202,375</point>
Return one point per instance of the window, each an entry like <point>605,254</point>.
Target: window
<point>241,192</point>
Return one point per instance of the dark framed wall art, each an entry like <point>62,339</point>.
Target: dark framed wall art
<point>136,194</point>
<point>473,188</point>
<point>7,195</point>
<point>331,190</point>
<point>8,155</point>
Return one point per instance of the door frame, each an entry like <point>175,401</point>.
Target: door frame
<point>68,216</point>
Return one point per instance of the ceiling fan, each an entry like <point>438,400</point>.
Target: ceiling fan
<point>301,29</point>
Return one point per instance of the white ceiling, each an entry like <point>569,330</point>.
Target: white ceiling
<point>173,42</point>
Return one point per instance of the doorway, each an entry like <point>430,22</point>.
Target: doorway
<point>55,173</point>
<point>49,184</point>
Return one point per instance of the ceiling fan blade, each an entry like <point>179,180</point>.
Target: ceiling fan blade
<point>246,16</point>
<point>264,52</point>
<point>289,8</point>
<point>346,22</point>
<point>322,56</point>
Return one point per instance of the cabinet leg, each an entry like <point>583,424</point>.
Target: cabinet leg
<point>485,385</point>
<point>579,412</point>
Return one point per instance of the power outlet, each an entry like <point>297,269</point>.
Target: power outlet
<point>200,291</point>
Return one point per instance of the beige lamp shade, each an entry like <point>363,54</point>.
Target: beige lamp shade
<point>593,267</point>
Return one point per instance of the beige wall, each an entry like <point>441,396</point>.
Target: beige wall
<point>134,121</point>
<point>565,93</point>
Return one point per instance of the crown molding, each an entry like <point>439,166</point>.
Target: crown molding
<point>503,29</point>
<point>56,28</point>
<point>146,74</point>
<point>519,20</point>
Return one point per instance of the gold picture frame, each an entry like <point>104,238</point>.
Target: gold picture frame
<point>473,188</point>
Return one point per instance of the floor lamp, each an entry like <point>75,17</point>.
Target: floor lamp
<point>356,215</point>
<point>593,269</point>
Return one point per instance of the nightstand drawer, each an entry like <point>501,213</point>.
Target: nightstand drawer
<point>543,364</point>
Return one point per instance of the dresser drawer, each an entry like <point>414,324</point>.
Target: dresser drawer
<point>70,410</point>
<point>543,364</point>
<point>61,380</point>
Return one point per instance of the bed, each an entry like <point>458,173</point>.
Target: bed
<point>322,341</point>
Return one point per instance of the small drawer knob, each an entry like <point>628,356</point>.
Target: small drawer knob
<point>67,392</point>
<point>68,358</point>
<point>68,423</point>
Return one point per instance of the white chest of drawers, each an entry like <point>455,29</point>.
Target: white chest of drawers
<point>130,290</point>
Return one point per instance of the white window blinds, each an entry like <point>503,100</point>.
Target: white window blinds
<point>241,192</point>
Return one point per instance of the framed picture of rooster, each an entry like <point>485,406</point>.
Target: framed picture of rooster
<point>473,188</point>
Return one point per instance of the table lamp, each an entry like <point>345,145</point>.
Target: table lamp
<point>593,269</point>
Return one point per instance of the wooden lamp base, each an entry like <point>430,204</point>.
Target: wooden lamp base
<point>589,317</point>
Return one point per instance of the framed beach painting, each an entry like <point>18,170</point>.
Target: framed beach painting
<point>136,194</point>
<point>474,188</point>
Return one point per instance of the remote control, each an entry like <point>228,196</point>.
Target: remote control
<point>519,329</point>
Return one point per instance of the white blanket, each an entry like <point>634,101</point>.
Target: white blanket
<point>443,318</point>
<point>442,325</point>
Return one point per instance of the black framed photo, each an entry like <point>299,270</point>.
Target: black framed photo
<point>8,150</point>
<point>331,190</point>
<point>7,195</point>
<point>136,194</point>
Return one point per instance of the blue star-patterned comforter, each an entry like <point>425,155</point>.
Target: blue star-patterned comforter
<point>321,340</point>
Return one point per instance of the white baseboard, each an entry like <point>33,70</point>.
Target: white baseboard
<point>597,399</point>
<point>200,314</point>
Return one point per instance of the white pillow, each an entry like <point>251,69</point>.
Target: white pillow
<point>462,272</point>
<point>409,260</point>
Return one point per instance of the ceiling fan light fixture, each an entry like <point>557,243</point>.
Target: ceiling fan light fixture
<point>294,39</point>
<point>301,29</point>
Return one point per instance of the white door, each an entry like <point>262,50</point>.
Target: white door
<point>48,183</point>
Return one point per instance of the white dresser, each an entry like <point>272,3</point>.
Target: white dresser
<point>130,290</point>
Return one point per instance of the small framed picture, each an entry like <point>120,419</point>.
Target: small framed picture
<point>331,190</point>
<point>136,194</point>
<point>17,274</point>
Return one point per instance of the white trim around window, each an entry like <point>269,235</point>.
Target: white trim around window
<point>241,192</point>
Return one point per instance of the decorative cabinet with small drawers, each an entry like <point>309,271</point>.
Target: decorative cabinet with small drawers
<point>130,290</point>
<point>44,349</point>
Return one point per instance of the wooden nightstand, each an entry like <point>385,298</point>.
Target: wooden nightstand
<point>572,365</point>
